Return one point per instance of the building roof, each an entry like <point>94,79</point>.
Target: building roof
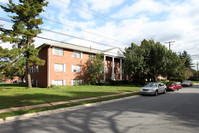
<point>116,52</point>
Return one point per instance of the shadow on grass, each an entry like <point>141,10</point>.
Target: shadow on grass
<point>37,98</point>
<point>12,85</point>
<point>120,116</point>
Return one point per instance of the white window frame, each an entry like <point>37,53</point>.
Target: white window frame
<point>56,65</point>
<point>76,82</point>
<point>77,54</point>
<point>76,68</point>
<point>58,51</point>
<point>58,82</point>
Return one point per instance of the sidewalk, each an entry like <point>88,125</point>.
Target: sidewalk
<point>59,103</point>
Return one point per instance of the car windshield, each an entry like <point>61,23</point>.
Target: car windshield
<point>170,83</point>
<point>186,81</point>
<point>151,85</point>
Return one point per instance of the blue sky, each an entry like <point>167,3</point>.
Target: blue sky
<point>120,22</point>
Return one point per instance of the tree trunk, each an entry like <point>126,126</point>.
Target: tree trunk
<point>27,69</point>
<point>28,76</point>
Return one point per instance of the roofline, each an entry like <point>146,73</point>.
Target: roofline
<point>89,49</point>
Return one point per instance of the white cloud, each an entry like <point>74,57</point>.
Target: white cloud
<point>146,6</point>
<point>84,11</point>
<point>139,21</point>
<point>59,3</point>
<point>104,5</point>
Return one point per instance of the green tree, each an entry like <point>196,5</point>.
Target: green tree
<point>26,26</point>
<point>174,66</point>
<point>187,59</point>
<point>186,69</point>
<point>94,70</point>
<point>151,59</point>
<point>12,63</point>
<point>134,62</point>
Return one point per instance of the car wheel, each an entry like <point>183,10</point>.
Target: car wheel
<point>164,91</point>
<point>156,93</point>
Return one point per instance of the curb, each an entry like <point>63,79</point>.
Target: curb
<point>43,113</point>
<point>59,103</point>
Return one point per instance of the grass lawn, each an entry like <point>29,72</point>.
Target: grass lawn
<point>16,95</point>
<point>195,82</point>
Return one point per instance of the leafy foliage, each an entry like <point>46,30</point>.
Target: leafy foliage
<point>93,71</point>
<point>26,21</point>
<point>151,59</point>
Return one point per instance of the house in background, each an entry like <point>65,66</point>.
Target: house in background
<point>7,80</point>
<point>65,61</point>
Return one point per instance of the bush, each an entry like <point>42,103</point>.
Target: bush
<point>139,82</point>
<point>118,82</point>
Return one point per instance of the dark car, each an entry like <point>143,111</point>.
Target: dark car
<point>187,83</point>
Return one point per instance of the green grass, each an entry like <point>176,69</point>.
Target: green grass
<point>17,95</point>
<point>21,112</point>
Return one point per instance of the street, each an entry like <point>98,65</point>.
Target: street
<point>174,112</point>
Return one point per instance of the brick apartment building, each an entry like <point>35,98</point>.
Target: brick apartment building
<point>65,61</point>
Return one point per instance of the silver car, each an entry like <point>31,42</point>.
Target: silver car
<point>187,83</point>
<point>153,88</point>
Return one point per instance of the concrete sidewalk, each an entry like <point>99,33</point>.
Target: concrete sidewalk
<point>59,103</point>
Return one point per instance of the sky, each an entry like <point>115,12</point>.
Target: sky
<point>118,23</point>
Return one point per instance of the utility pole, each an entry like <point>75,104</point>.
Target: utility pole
<point>197,72</point>
<point>170,43</point>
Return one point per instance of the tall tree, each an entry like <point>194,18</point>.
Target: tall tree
<point>187,59</point>
<point>151,59</point>
<point>134,62</point>
<point>94,69</point>
<point>26,26</point>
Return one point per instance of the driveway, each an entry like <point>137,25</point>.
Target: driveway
<point>174,112</point>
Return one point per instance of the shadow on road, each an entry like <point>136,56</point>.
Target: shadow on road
<point>180,107</point>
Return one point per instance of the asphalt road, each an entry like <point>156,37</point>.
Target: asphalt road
<point>174,112</point>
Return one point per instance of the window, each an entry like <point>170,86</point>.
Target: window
<point>60,68</point>
<point>58,51</point>
<point>76,68</point>
<point>106,69</point>
<point>58,82</point>
<point>36,83</point>
<point>31,69</point>
<point>36,68</point>
<point>77,54</point>
<point>76,82</point>
<point>91,56</point>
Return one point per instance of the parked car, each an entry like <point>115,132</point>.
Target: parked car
<point>173,85</point>
<point>178,85</point>
<point>153,88</point>
<point>187,83</point>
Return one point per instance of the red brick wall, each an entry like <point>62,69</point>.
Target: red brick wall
<point>41,76</point>
<point>69,61</point>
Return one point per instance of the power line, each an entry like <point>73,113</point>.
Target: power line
<point>76,37</point>
<point>95,13</point>
<point>88,9</point>
<point>92,33</point>
<point>85,31</point>
<point>7,20</point>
